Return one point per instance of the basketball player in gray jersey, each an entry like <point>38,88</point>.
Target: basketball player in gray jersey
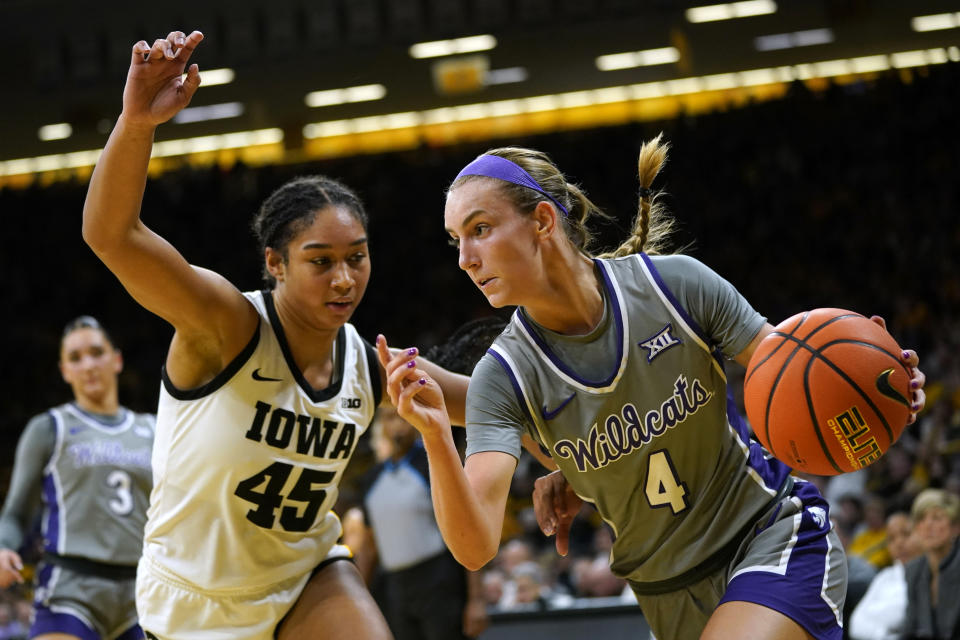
<point>88,463</point>
<point>615,365</point>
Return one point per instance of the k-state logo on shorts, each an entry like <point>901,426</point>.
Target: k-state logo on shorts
<point>659,343</point>
<point>350,403</point>
<point>819,515</point>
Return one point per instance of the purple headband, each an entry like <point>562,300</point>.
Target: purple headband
<point>503,169</point>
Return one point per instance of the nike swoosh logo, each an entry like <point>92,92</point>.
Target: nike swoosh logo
<point>884,387</point>
<point>257,376</point>
<point>550,415</point>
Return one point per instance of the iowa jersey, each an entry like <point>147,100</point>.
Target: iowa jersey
<point>96,485</point>
<point>246,467</point>
<point>637,414</point>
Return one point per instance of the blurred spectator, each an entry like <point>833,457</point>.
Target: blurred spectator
<point>10,627</point>
<point>494,583</point>
<point>933,580</point>
<point>592,575</point>
<point>859,572</point>
<point>871,541</point>
<point>881,611</point>
<point>418,569</point>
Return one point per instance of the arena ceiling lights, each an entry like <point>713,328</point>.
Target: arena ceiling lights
<point>936,22</point>
<point>631,59</point>
<point>210,112</point>
<point>57,131</point>
<point>507,108</point>
<point>360,93</point>
<point>731,10</point>
<point>213,77</point>
<point>456,46</point>
<point>806,38</point>
<point>643,91</point>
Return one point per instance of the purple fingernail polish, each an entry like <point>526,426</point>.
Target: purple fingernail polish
<point>906,354</point>
<point>411,364</point>
<point>915,384</point>
<point>915,406</point>
<point>412,352</point>
<point>422,381</point>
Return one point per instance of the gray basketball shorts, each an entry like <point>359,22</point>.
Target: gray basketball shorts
<point>84,604</point>
<point>792,562</point>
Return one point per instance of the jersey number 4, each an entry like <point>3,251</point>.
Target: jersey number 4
<point>663,487</point>
<point>270,498</point>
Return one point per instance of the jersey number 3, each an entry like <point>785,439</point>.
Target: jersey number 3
<point>663,487</point>
<point>270,498</point>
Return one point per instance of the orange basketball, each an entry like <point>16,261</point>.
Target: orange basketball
<point>826,392</point>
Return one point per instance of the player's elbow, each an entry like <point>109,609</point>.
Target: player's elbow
<point>95,234</point>
<point>475,556</point>
<point>474,561</point>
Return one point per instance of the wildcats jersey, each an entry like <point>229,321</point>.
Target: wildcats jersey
<point>246,467</point>
<point>637,416</point>
<point>96,485</point>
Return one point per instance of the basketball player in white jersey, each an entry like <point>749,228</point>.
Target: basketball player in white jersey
<point>615,365</point>
<point>86,464</point>
<point>263,399</point>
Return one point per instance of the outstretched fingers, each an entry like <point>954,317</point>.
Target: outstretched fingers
<point>186,44</point>
<point>401,369</point>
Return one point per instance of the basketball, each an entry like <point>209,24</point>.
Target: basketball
<point>826,392</point>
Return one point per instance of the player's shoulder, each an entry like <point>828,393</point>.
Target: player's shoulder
<point>43,420</point>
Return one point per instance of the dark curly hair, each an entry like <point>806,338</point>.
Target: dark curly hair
<point>293,207</point>
<point>462,350</point>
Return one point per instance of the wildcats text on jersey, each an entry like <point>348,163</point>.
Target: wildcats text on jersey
<point>314,435</point>
<point>617,440</point>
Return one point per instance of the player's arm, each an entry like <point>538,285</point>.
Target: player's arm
<point>454,387</point>
<point>213,320</point>
<point>468,500</point>
<point>747,352</point>
<point>33,452</point>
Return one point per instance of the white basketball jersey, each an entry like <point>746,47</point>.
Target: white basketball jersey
<point>246,467</point>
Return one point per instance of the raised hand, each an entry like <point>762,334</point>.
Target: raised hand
<point>555,505</point>
<point>417,397</point>
<point>156,89</point>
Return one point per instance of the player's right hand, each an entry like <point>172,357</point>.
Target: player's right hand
<point>156,89</point>
<point>555,505</point>
<point>10,567</point>
<point>416,396</point>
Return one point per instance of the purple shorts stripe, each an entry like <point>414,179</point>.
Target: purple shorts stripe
<point>47,621</point>
<point>798,592</point>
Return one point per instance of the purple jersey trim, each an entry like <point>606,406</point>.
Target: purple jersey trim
<point>797,593</point>
<point>618,320</point>
<point>680,309</point>
<point>513,383</point>
<point>772,471</point>
<point>52,529</point>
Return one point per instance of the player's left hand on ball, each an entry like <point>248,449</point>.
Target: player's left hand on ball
<point>917,379</point>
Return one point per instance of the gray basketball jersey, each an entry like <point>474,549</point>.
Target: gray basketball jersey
<point>637,414</point>
<point>96,485</point>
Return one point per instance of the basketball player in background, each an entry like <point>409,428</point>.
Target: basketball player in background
<point>88,462</point>
<point>615,364</point>
<point>264,394</point>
